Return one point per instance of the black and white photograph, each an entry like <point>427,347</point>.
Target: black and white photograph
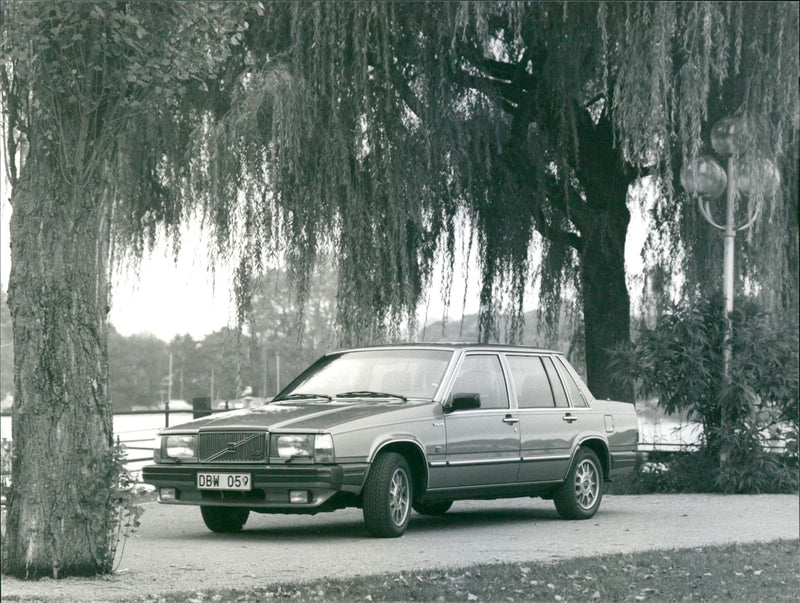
<point>436,301</point>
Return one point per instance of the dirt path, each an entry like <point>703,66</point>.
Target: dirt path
<point>173,551</point>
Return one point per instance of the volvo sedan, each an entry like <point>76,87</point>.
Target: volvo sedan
<point>395,428</point>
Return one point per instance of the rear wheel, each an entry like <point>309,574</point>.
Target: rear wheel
<point>579,496</point>
<point>387,496</point>
<point>433,508</point>
<point>224,519</point>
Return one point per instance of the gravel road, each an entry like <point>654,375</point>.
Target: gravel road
<point>173,551</point>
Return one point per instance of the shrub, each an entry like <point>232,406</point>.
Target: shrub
<point>680,361</point>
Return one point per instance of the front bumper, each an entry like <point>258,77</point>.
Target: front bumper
<point>329,486</point>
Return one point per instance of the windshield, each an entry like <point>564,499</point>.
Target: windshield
<point>405,373</point>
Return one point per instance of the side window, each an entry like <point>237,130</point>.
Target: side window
<point>555,382</point>
<point>578,399</point>
<point>482,374</point>
<point>531,382</point>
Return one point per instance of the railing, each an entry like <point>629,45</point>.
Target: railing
<point>134,429</point>
<point>139,439</point>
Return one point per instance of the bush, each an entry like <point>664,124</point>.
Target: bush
<point>680,361</point>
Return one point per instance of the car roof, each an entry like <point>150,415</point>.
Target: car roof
<point>452,345</point>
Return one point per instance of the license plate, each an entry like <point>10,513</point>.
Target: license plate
<point>224,481</point>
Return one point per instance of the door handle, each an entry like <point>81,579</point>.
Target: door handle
<point>569,418</point>
<point>510,419</point>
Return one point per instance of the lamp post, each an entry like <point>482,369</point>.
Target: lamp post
<point>704,178</point>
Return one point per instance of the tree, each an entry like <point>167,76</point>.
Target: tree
<point>533,119</point>
<point>138,366</point>
<point>288,335</point>
<point>92,96</point>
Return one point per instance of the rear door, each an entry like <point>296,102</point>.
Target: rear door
<point>546,422</point>
<point>482,443</point>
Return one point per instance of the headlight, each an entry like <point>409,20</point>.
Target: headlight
<point>179,446</point>
<point>318,448</point>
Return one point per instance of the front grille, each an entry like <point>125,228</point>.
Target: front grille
<point>232,447</point>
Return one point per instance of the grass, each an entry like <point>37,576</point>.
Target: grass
<point>739,572</point>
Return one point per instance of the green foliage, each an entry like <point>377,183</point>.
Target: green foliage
<point>124,512</point>
<point>680,361</point>
<point>667,473</point>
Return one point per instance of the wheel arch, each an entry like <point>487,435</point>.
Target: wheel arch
<point>600,448</point>
<point>415,457</point>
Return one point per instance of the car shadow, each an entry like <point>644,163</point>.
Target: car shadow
<point>336,529</point>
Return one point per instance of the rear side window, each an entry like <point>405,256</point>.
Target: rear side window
<point>531,382</point>
<point>555,382</point>
<point>482,374</point>
<point>578,399</point>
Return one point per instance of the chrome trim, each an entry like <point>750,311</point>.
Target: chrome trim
<point>484,461</point>
<point>561,457</point>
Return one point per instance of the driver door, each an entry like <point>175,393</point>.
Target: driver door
<point>483,444</point>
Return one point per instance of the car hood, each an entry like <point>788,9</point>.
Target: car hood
<point>305,415</point>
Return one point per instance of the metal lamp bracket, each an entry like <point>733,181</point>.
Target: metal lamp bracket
<point>705,209</point>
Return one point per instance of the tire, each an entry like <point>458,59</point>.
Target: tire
<point>387,496</point>
<point>226,520</point>
<point>580,495</point>
<point>432,508</point>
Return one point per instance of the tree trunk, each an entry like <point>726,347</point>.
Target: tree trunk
<point>603,227</point>
<point>60,508</point>
<point>606,305</point>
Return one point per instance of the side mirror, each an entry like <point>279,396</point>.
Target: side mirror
<point>462,401</point>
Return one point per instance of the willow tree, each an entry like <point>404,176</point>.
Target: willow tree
<point>95,115</point>
<point>381,122</point>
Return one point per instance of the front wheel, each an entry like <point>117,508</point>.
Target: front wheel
<point>225,520</point>
<point>579,496</point>
<point>387,496</point>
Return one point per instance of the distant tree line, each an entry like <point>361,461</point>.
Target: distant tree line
<point>279,340</point>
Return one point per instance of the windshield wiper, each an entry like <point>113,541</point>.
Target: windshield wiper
<point>369,394</point>
<point>304,397</point>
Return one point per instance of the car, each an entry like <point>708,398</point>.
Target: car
<point>394,428</point>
